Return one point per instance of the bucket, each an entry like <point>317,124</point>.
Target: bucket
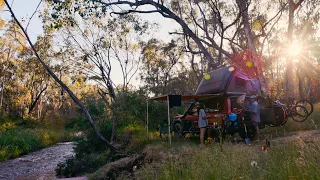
<point>247,140</point>
<point>232,117</point>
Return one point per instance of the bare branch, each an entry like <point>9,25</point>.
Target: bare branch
<point>267,35</point>
<point>134,11</point>
<point>265,25</point>
<point>35,11</point>
<point>164,11</point>
<point>298,4</point>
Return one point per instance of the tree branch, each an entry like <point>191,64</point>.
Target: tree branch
<point>134,11</point>
<point>33,14</point>
<point>168,14</point>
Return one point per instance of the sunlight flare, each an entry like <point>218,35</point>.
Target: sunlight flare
<point>294,49</point>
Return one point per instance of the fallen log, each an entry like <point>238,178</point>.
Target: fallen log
<point>111,170</point>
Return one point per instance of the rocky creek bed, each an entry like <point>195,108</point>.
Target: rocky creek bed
<point>37,165</point>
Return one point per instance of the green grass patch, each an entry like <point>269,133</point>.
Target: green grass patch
<point>15,142</point>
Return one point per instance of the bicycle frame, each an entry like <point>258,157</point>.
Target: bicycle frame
<point>289,107</point>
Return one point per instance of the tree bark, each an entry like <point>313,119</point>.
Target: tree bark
<point>2,90</point>
<point>66,88</point>
<point>221,45</point>
<point>300,84</point>
<point>113,116</point>
<point>289,86</point>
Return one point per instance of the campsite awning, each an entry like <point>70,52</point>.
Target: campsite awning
<point>175,100</point>
<point>185,97</point>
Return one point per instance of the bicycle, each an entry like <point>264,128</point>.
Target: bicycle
<point>299,111</point>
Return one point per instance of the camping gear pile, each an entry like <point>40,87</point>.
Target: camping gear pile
<point>225,93</point>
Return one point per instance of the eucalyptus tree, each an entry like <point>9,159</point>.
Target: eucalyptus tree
<point>95,46</point>
<point>11,74</point>
<point>160,61</point>
<point>213,29</point>
<point>37,80</point>
<point>63,85</point>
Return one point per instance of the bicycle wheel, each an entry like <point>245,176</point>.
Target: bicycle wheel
<point>307,104</point>
<point>299,113</point>
<point>179,130</point>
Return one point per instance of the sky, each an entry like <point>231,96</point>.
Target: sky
<point>24,9</point>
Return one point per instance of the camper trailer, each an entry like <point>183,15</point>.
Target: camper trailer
<point>222,88</point>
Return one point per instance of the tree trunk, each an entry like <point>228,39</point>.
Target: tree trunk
<point>1,96</point>
<point>33,104</point>
<point>39,110</point>
<point>309,90</point>
<point>194,70</point>
<point>221,45</point>
<point>113,116</point>
<point>243,4</point>
<point>300,84</point>
<point>66,88</point>
<point>289,85</point>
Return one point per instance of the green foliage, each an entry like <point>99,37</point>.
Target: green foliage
<point>91,152</point>
<point>130,110</point>
<point>131,107</point>
<point>21,136</point>
<point>18,141</point>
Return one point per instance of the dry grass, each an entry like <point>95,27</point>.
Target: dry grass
<point>296,159</point>
<point>292,158</point>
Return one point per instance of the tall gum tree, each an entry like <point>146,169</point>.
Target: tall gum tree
<point>96,45</point>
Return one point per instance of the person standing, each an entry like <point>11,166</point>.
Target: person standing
<point>202,122</point>
<point>255,116</point>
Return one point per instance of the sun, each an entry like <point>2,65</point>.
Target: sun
<point>294,49</point>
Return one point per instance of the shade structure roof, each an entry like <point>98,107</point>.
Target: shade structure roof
<point>186,97</point>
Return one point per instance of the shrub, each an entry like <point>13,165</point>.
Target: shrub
<point>6,126</point>
<point>18,141</point>
<point>15,142</point>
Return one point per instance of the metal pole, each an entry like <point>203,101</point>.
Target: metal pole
<point>148,119</point>
<point>169,122</point>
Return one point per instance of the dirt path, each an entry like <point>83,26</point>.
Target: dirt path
<point>305,135</point>
<point>37,165</point>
